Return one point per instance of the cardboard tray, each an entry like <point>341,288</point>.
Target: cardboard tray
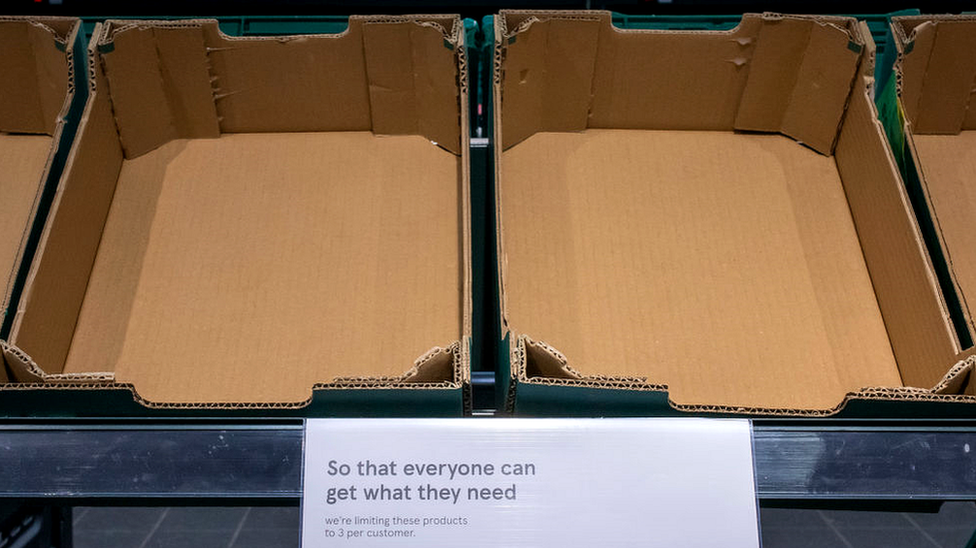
<point>708,222</point>
<point>278,225</point>
<point>41,96</point>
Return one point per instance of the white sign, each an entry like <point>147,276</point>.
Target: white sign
<point>529,482</point>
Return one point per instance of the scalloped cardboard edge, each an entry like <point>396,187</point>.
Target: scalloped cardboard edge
<point>106,381</point>
<point>566,376</point>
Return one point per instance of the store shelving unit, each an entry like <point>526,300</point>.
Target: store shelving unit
<point>260,462</point>
<point>133,461</point>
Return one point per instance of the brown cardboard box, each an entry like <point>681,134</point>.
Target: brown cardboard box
<point>244,220</point>
<point>716,215</point>
<point>936,127</point>
<point>36,95</point>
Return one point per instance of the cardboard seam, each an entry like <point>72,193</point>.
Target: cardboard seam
<point>215,94</point>
<point>925,74</point>
<point>162,86</point>
<point>415,77</point>
<point>794,79</point>
<point>864,57</point>
<point>97,58</point>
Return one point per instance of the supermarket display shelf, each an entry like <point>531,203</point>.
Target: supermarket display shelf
<point>261,461</point>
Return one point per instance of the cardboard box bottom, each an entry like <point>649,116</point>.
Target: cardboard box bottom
<point>248,268</point>
<point>723,265</point>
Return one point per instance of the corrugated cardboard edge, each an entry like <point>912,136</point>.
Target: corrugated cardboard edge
<point>59,129</point>
<point>426,366</point>
<point>561,374</point>
<point>903,42</point>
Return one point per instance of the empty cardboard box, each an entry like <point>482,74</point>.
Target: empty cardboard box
<point>707,222</point>
<point>259,223</point>
<point>39,104</point>
<point>929,109</point>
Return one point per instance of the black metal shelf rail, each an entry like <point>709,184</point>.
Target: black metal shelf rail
<point>261,462</point>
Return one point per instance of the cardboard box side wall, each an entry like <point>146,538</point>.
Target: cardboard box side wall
<point>931,115</point>
<point>185,79</point>
<point>916,319</point>
<point>738,76</point>
<point>926,353</point>
<point>37,80</point>
<point>56,286</point>
<point>46,317</point>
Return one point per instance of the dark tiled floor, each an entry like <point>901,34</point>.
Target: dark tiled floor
<point>186,526</point>
<point>951,526</point>
<point>279,527</point>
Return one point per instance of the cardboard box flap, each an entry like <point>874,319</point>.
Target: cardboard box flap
<point>937,77</point>
<point>436,366</point>
<point>916,319</point>
<point>186,79</point>
<point>20,366</point>
<point>630,91</point>
<point>34,73</point>
<point>957,380</point>
<point>159,81</point>
<point>290,83</point>
<point>568,71</point>
<point>548,78</point>
<point>799,80</point>
<point>412,90</point>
